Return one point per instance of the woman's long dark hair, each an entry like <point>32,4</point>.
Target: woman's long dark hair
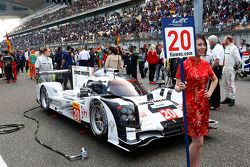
<point>202,37</point>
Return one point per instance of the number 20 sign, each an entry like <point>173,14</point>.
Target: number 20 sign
<point>178,37</point>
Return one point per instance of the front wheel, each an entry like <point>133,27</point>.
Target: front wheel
<point>44,99</point>
<point>98,119</point>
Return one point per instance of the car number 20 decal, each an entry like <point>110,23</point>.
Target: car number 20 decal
<point>76,107</point>
<point>168,113</point>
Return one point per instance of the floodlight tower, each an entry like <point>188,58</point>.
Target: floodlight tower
<point>198,15</point>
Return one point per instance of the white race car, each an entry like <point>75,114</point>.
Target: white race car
<point>114,105</point>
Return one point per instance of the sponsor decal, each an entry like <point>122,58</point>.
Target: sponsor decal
<point>152,101</point>
<point>76,108</point>
<point>142,114</point>
<point>85,114</point>
<point>168,114</point>
<point>81,72</point>
<point>180,21</point>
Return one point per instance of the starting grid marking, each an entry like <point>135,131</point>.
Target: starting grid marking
<point>2,163</point>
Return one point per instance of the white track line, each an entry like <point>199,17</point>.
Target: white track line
<point>2,163</point>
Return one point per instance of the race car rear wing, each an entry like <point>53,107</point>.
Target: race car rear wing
<point>79,74</point>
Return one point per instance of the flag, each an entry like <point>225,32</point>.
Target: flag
<point>118,39</point>
<point>8,43</point>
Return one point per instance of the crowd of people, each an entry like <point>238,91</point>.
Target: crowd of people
<point>75,8</point>
<point>224,14</point>
<point>139,21</point>
<point>213,61</point>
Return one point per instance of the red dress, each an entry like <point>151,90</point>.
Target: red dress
<point>197,73</point>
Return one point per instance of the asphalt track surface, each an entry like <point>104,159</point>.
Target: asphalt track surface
<point>228,146</point>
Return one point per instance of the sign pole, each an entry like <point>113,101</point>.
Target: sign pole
<point>184,112</point>
<point>179,42</point>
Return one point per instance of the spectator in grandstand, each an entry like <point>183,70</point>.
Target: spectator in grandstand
<point>66,64</point>
<point>58,58</point>
<point>131,63</point>
<point>231,63</point>
<point>217,54</point>
<point>153,60</point>
<point>84,57</point>
<point>114,60</point>
<point>27,56</point>
<point>197,74</point>
<point>244,20</point>
<point>44,63</point>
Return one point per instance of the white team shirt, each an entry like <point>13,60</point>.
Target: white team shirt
<point>218,53</point>
<point>232,56</point>
<point>44,63</point>
<point>84,55</point>
<point>26,54</point>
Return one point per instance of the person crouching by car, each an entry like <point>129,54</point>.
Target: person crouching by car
<point>44,63</point>
<point>113,60</point>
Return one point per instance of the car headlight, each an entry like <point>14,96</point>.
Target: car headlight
<point>127,115</point>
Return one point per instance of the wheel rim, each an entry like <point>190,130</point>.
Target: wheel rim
<point>98,120</point>
<point>44,98</point>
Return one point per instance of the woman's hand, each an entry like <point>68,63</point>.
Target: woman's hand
<point>208,94</point>
<point>179,86</point>
<point>182,86</point>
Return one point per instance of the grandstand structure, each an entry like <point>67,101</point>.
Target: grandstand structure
<point>98,22</point>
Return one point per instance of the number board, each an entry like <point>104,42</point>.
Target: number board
<point>178,37</point>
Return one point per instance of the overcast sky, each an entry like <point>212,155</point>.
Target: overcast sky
<point>7,26</point>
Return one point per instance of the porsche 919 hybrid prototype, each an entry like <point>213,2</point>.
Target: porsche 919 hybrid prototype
<point>115,106</point>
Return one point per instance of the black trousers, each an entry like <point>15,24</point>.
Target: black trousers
<point>21,66</point>
<point>27,66</point>
<point>132,71</point>
<point>8,72</point>
<point>141,68</point>
<point>66,77</point>
<point>152,68</point>
<point>84,63</point>
<point>216,97</point>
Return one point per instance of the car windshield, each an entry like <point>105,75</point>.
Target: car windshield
<point>126,88</point>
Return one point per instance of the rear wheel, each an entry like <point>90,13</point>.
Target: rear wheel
<point>44,99</point>
<point>98,119</point>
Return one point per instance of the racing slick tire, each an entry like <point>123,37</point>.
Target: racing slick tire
<point>98,119</point>
<point>44,99</point>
